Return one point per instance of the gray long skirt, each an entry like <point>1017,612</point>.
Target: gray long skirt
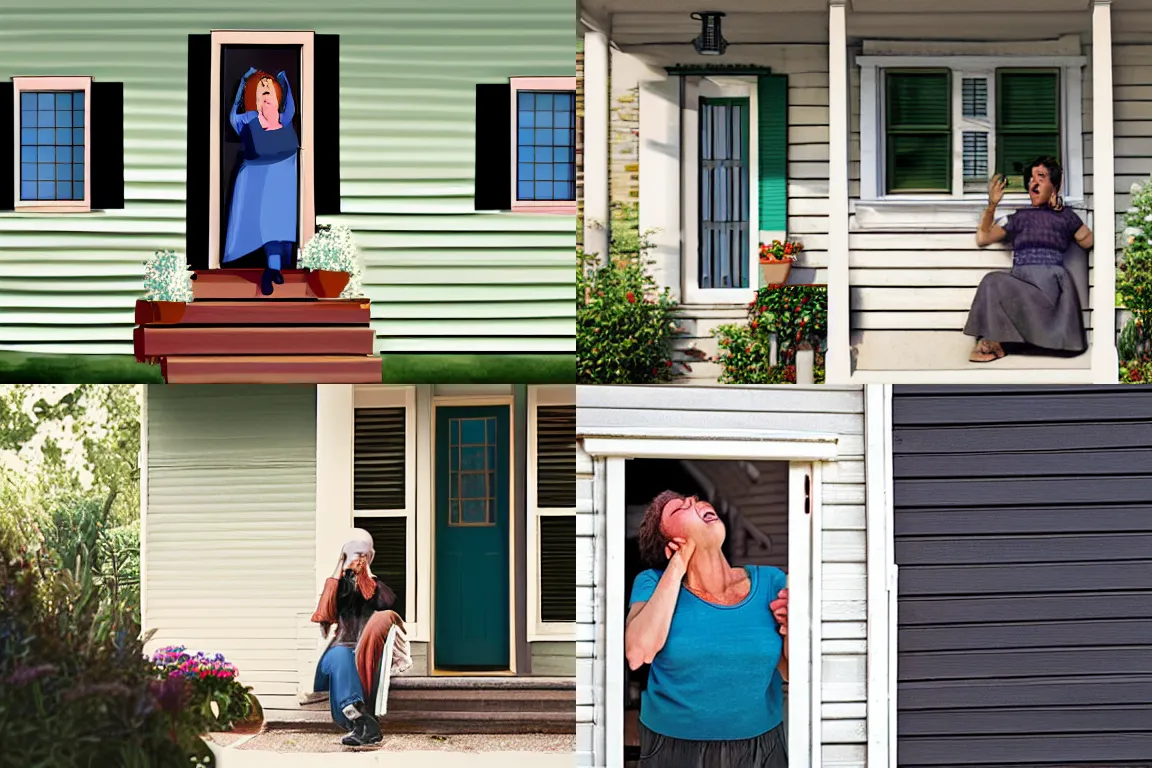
<point>765,751</point>
<point>1032,304</point>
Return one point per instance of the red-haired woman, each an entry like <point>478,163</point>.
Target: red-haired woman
<point>263,212</point>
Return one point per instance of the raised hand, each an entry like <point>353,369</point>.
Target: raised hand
<point>779,608</point>
<point>679,552</point>
<point>996,189</point>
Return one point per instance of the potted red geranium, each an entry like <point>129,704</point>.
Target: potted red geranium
<point>776,261</point>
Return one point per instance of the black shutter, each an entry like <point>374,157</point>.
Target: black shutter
<point>7,143</point>
<point>107,152</point>
<point>199,158</point>
<point>378,473</point>
<point>390,538</point>
<point>326,118</point>
<point>558,568</point>
<point>556,456</point>
<point>493,147</point>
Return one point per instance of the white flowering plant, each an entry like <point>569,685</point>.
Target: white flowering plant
<point>333,249</point>
<point>1134,286</point>
<point>166,277</point>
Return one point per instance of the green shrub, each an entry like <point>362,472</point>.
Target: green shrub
<point>624,320</point>
<point>794,314</point>
<point>75,686</point>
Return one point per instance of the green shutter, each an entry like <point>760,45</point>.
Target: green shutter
<point>918,130</point>
<point>1027,120</point>
<point>772,116</point>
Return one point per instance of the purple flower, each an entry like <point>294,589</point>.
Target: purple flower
<point>25,675</point>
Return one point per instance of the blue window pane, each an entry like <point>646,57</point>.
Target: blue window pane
<point>78,172</point>
<point>543,119</point>
<point>527,119</point>
<point>28,171</point>
<point>562,102</point>
<point>47,190</point>
<point>524,100</point>
<point>543,190</point>
<point>563,172</point>
<point>543,171</point>
<point>63,190</point>
<point>525,154</point>
<point>46,118</point>
<point>64,136</point>
<point>63,154</point>
<point>544,101</point>
<point>46,154</point>
<point>78,118</point>
<point>27,101</point>
<point>45,136</point>
<point>543,154</point>
<point>28,190</point>
<point>562,154</point>
<point>543,136</point>
<point>28,136</point>
<point>45,101</point>
<point>77,137</point>
<point>28,118</point>
<point>472,431</point>
<point>526,136</point>
<point>64,119</point>
<point>64,172</point>
<point>78,100</point>
<point>47,172</point>
<point>524,190</point>
<point>77,154</point>
<point>77,190</point>
<point>525,172</point>
<point>27,154</point>
<point>64,101</point>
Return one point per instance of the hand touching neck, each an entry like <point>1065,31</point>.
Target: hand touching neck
<point>709,571</point>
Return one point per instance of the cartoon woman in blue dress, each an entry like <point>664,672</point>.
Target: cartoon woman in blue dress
<point>263,213</point>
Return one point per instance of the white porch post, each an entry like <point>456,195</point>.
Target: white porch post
<point>596,211</point>
<point>837,367</point>
<point>1104,358</point>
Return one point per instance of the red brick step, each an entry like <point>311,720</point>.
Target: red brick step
<point>232,313</point>
<point>271,369</point>
<point>162,341</point>
<point>215,284</point>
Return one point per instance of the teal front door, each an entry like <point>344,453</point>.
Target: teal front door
<point>472,525</point>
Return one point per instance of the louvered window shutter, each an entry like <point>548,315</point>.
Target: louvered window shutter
<point>379,471</point>
<point>1027,120</point>
<point>556,489</point>
<point>918,131</point>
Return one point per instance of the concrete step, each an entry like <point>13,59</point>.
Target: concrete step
<point>478,722</point>
<point>484,700</point>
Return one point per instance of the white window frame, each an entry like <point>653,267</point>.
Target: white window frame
<point>21,84</point>
<point>537,629</point>
<point>876,209</point>
<point>805,454</point>
<point>717,86</point>
<point>553,207</point>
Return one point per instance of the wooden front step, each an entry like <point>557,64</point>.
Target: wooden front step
<point>442,700</point>
<point>164,341</point>
<point>449,723</point>
<point>216,284</point>
<point>233,313</point>
<point>271,369</point>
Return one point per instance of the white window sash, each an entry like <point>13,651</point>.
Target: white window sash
<point>22,84</point>
<point>518,84</point>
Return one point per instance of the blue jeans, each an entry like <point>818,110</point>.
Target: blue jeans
<point>336,673</point>
<point>279,253</point>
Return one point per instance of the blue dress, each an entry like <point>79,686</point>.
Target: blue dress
<point>264,197</point>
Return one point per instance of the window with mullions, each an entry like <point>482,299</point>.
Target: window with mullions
<point>546,145</point>
<point>52,142</point>
<point>472,472</point>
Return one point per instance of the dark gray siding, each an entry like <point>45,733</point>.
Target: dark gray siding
<point>1023,533</point>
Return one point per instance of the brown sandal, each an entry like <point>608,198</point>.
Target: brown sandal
<point>986,352</point>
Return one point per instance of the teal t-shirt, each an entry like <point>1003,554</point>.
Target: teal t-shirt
<point>715,679</point>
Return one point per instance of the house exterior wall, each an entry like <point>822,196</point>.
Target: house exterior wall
<point>441,277</point>
<point>229,527</point>
<point>631,410</point>
<point>589,604</point>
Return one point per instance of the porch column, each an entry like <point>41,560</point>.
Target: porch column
<point>837,367</point>
<point>596,211</point>
<point>1103,297</point>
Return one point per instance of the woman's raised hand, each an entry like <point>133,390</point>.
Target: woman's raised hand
<point>679,551</point>
<point>996,189</point>
<point>779,608</point>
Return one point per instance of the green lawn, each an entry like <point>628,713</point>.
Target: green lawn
<point>25,368</point>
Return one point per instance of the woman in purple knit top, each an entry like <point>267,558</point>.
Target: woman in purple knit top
<point>1036,302</point>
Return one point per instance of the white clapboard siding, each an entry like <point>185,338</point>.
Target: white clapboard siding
<point>591,632</point>
<point>631,410</point>
<point>441,277</point>
<point>230,525</point>
<point>925,280</point>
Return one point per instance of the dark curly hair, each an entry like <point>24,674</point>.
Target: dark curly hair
<point>651,538</point>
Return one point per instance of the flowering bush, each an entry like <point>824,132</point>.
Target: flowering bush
<point>214,690</point>
<point>624,321</point>
<point>333,249</point>
<point>780,251</point>
<point>166,277</point>
<point>1134,288</point>
<point>793,314</point>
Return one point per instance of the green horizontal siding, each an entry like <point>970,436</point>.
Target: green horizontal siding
<point>441,277</point>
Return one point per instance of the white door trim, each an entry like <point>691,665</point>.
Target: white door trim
<point>880,572</point>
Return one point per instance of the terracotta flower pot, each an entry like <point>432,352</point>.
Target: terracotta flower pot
<point>326,284</point>
<point>160,312</point>
<point>254,723</point>
<point>774,272</point>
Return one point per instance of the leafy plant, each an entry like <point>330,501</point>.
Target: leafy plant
<point>166,277</point>
<point>333,249</point>
<point>779,251</point>
<point>793,315</point>
<point>214,690</point>
<point>1134,287</point>
<point>625,322</point>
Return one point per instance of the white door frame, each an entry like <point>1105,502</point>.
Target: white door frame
<point>804,452</point>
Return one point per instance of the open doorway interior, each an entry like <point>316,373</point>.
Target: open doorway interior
<point>751,498</point>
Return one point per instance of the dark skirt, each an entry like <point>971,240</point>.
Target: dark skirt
<point>765,751</point>
<point>1033,304</point>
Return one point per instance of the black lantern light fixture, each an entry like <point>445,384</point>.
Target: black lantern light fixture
<point>710,42</point>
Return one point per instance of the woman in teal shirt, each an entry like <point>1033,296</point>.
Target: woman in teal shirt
<point>716,637</point>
